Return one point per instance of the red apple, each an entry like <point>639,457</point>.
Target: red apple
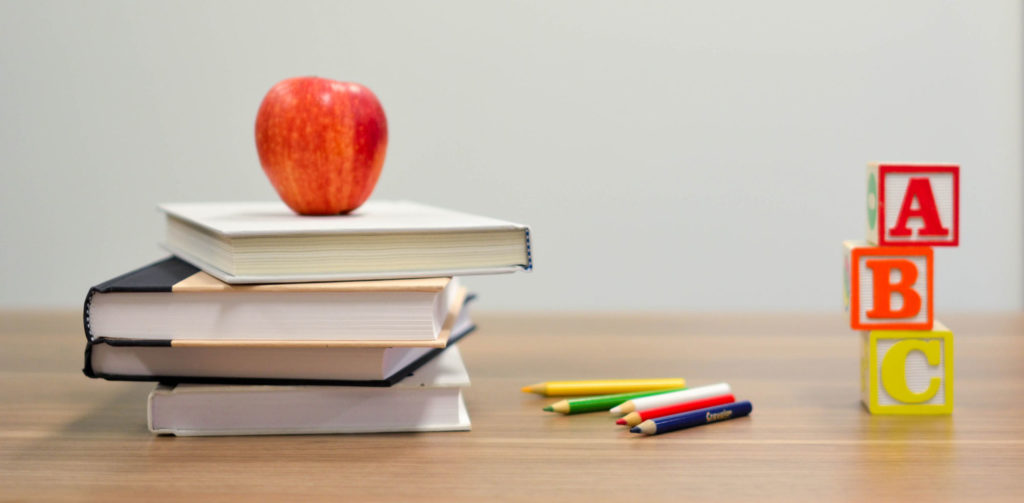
<point>321,143</point>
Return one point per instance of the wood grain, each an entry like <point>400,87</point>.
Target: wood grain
<point>63,436</point>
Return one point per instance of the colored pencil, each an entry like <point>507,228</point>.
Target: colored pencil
<point>600,402</point>
<point>650,402</point>
<point>634,418</point>
<point>605,387</point>
<point>693,418</point>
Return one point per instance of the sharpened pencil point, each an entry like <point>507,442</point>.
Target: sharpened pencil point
<point>614,411</point>
<point>549,409</point>
<point>636,429</point>
<point>620,421</point>
<point>538,388</point>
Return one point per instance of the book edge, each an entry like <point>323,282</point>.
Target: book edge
<point>497,225</point>
<point>232,279</point>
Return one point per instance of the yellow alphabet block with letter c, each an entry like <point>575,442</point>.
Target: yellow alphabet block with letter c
<point>908,371</point>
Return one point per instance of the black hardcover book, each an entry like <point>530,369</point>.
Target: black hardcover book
<point>173,323</point>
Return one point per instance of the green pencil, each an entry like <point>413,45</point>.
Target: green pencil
<point>596,403</point>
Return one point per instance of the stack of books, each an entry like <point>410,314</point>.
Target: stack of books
<point>266,322</point>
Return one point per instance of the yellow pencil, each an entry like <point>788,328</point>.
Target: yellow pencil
<point>604,387</point>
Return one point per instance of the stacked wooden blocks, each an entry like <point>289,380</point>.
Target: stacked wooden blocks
<point>906,355</point>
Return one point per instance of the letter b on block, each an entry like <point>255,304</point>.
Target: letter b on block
<point>888,287</point>
<point>913,205</point>
<point>908,372</point>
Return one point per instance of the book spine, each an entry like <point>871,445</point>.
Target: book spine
<point>160,276</point>
<point>529,251</point>
<point>87,367</point>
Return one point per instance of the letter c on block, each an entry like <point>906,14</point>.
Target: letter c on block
<point>894,368</point>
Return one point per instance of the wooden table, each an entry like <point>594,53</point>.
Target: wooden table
<point>63,436</point>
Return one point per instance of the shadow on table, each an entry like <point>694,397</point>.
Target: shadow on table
<point>121,414</point>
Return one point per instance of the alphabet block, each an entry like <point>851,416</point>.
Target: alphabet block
<point>888,288</point>
<point>907,372</point>
<point>913,204</point>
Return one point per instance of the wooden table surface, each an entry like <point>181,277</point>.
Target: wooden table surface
<point>63,436</point>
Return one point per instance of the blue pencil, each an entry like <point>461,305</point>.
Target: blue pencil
<point>693,418</point>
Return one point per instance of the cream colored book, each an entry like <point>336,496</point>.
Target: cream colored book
<point>268,243</point>
<point>171,300</point>
<point>429,400</point>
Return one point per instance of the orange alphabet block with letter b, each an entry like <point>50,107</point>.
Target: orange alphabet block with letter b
<point>888,288</point>
<point>913,205</point>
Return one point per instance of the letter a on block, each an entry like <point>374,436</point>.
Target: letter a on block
<point>889,287</point>
<point>913,204</point>
<point>907,372</point>
<point>919,190</point>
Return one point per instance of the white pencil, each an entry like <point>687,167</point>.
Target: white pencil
<point>664,399</point>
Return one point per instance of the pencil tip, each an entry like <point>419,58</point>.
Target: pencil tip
<point>614,410</point>
<point>620,421</point>
<point>527,389</point>
<point>549,408</point>
<point>636,429</point>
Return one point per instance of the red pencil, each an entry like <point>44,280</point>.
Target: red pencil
<point>634,418</point>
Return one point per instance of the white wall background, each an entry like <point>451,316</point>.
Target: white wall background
<point>669,155</point>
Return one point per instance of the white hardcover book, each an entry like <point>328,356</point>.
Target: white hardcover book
<point>429,400</point>
<point>268,243</point>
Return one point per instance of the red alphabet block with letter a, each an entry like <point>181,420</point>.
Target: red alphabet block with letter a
<point>913,205</point>
<point>889,288</point>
